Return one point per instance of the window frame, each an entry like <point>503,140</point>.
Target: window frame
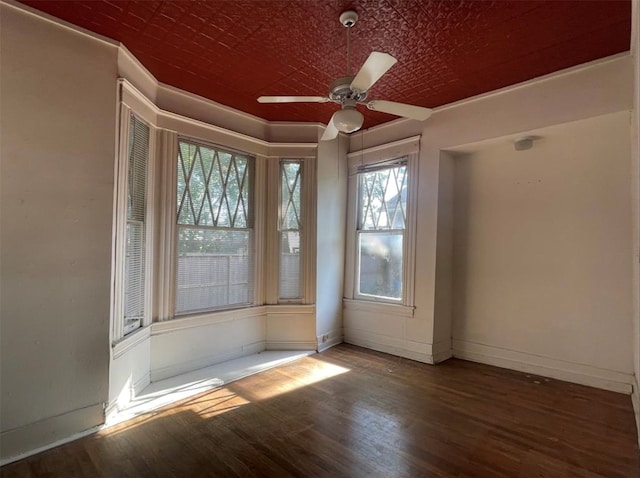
<point>301,230</point>
<point>368,160</point>
<point>121,187</point>
<point>252,164</point>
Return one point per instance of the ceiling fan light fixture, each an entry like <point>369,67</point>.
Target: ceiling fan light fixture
<point>348,120</point>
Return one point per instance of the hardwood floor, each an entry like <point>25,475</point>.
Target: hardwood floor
<point>352,412</point>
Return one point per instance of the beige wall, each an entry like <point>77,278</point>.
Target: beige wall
<point>58,145</point>
<point>635,142</point>
<point>331,221</point>
<point>542,248</point>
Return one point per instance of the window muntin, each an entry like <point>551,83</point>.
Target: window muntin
<point>134,263</point>
<point>382,216</point>
<point>290,224</point>
<point>215,237</point>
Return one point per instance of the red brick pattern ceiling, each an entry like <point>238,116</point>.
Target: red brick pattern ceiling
<point>234,51</point>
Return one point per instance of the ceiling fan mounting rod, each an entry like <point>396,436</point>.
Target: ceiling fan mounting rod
<point>348,20</point>
<point>348,51</point>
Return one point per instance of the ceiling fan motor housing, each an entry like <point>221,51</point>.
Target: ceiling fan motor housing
<point>340,90</point>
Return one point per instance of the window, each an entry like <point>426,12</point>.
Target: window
<point>215,250</point>
<point>290,230</point>
<point>381,222</point>
<point>382,215</point>
<point>134,264</point>
<point>131,307</point>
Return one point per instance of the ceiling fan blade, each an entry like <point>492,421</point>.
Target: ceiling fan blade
<point>331,131</point>
<point>376,65</point>
<point>400,109</point>
<point>292,99</point>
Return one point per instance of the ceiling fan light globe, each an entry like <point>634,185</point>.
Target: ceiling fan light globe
<point>348,120</point>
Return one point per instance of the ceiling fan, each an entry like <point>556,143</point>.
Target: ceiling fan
<point>350,91</point>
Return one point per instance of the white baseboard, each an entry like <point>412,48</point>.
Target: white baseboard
<point>401,347</point>
<point>389,349</point>
<point>544,366</point>
<point>329,339</point>
<point>111,410</point>
<point>141,384</point>
<point>36,437</point>
<point>329,343</point>
<point>441,351</point>
<point>291,345</point>
<point>635,399</point>
<point>115,406</point>
<point>196,364</point>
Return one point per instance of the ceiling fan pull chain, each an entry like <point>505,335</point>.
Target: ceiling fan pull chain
<point>348,19</point>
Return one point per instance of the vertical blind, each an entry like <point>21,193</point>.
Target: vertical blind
<point>134,269</point>
<point>290,228</point>
<point>215,250</point>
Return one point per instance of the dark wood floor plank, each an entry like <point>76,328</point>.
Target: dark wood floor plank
<point>353,412</point>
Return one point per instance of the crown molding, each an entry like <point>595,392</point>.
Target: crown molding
<point>357,139</point>
<point>58,22</point>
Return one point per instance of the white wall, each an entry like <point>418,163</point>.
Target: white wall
<point>330,247</point>
<point>541,256</point>
<point>582,92</point>
<point>58,115</point>
<point>181,345</point>
<point>443,293</point>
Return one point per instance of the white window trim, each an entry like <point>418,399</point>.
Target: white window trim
<point>257,231</point>
<point>387,153</point>
<point>301,230</point>
<point>120,223</point>
<point>307,233</point>
<point>168,127</point>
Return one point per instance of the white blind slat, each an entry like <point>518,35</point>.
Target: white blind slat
<point>134,269</point>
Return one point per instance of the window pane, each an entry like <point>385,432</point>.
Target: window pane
<point>212,187</point>
<point>290,287</point>
<point>137,169</point>
<point>134,275</point>
<point>290,200</point>
<point>383,199</point>
<point>380,259</point>
<point>134,262</point>
<point>289,225</point>
<point>215,239</point>
<point>214,269</point>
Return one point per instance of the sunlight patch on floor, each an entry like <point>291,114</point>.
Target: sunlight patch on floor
<point>317,371</point>
<point>174,389</point>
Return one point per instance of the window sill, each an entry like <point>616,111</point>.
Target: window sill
<point>216,317</point>
<point>130,341</point>
<point>378,307</point>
